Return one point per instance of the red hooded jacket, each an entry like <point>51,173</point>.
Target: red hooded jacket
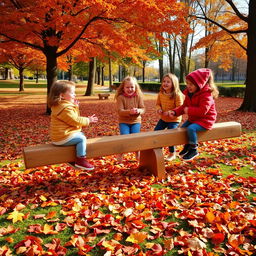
<point>201,106</point>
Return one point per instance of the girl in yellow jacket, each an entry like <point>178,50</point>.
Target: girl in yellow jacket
<point>66,122</point>
<point>169,97</point>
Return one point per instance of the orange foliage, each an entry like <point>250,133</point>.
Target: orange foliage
<point>219,41</point>
<point>93,27</point>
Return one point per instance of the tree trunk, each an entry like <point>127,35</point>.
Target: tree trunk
<point>98,75</point>
<point>119,73</point>
<point>21,79</point>
<point>37,76</point>
<point>70,72</point>
<point>91,77</point>
<point>206,61</point>
<point>170,57</point>
<point>233,70</point>
<point>124,72</point>
<point>110,74</point>
<point>102,76</point>
<point>6,73</point>
<point>183,56</point>
<point>249,101</point>
<point>51,70</point>
<point>173,55</point>
<point>161,61</point>
<point>143,70</point>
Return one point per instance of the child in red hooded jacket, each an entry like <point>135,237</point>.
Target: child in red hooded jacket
<point>199,105</point>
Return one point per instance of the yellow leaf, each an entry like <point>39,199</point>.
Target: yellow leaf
<point>137,238</point>
<point>21,249</point>
<point>76,207</point>
<point>149,245</point>
<point>43,198</point>
<point>110,245</point>
<point>189,253</point>
<point>48,229</point>
<point>15,216</point>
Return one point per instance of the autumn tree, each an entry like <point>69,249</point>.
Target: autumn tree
<point>241,29</point>
<point>94,27</point>
<point>20,58</point>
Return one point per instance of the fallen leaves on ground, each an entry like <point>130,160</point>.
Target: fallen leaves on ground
<point>118,209</point>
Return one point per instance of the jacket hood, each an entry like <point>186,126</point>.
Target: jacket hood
<point>62,105</point>
<point>199,77</point>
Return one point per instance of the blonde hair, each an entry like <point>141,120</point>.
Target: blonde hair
<point>213,87</point>
<point>57,89</point>
<point>120,89</point>
<point>175,85</point>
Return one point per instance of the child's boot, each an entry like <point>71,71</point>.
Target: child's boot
<point>82,163</point>
<point>192,153</point>
<point>184,150</point>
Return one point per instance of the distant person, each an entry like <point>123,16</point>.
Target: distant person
<point>168,98</point>
<point>130,107</point>
<point>66,122</point>
<point>199,105</point>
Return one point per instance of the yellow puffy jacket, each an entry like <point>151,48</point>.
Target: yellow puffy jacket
<point>66,120</point>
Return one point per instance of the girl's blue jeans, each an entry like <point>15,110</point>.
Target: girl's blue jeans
<point>129,128</point>
<point>192,130</point>
<point>161,125</point>
<point>80,141</point>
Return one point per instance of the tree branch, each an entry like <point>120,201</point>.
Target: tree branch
<point>242,46</point>
<point>221,26</point>
<point>37,47</point>
<point>81,33</point>
<point>239,14</point>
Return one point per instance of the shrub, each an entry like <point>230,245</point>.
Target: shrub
<point>235,92</point>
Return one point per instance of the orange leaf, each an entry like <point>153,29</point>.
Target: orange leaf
<point>118,236</point>
<point>50,215</point>
<point>9,239</point>
<point>210,217</point>
<point>137,238</point>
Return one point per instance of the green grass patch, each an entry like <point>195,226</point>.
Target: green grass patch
<point>27,84</point>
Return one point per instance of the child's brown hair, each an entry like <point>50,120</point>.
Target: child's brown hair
<point>132,79</point>
<point>175,85</point>
<point>213,87</point>
<point>57,89</point>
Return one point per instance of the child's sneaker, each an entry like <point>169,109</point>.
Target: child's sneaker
<point>184,150</point>
<point>171,156</point>
<point>191,154</point>
<point>82,163</point>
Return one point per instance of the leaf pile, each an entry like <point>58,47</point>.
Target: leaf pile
<point>118,209</point>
